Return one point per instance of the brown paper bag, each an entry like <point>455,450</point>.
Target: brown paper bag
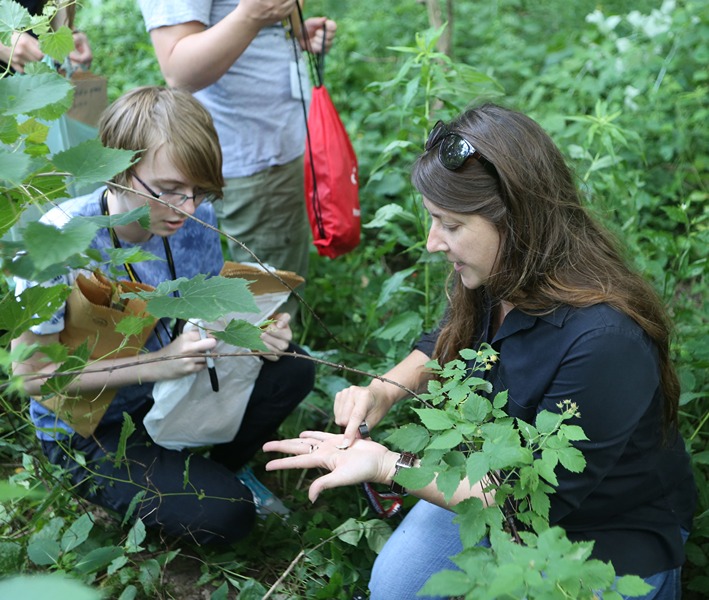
<point>93,310</point>
<point>90,97</point>
<point>263,281</point>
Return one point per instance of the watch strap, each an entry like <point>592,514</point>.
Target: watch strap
<point>406,461</point>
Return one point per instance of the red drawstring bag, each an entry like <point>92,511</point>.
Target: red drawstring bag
<point>331,179</point>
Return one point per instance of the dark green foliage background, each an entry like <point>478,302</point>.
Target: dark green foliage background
<point>640,157</point>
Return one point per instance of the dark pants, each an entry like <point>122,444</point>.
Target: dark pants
<point>182,493</point>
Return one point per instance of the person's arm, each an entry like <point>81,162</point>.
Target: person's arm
<point>357,403</point>
<point>181,357</point>
<point>363,460</point>
<point>193,56</point>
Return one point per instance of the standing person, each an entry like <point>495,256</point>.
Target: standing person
<point>239,60</point>
<point>24,46</point>
<point>537,278</point>
<point>184,494</point>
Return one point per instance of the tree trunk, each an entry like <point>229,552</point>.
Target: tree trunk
<point>435,19</point>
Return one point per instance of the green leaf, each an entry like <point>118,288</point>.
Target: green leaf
<point>97,559</point>
<point>35,305</point>
<point>57,44</point>
<point>46,586</point>
<point>632,585</point>
<point>572,459</point>
<point>350,532</point>
<point>43,551</point>
<point>573,433</point>
<point>434,419</point>
<point>13,17</point>
<point>447,583</point>
<point>477,466</point>
<point>410,437</point>
<point>77,533</point>
<point>48,245</point>
<point>399,328</point>
<point>242,335</point>
<point>89,162</point>
<point>416,478</point>
<point>127,429</point>
<point>200,298</point>
<point>221,593</point>
<point>43,95</point>
<point>448,482</point>
<point>136,536</point>
<point>547,422</point>
<point>476,408</point>
<point>14,168</point>
<point>447,440</point>
<point>377,533</point>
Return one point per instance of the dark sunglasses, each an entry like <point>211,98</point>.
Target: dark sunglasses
<point>454,150</point>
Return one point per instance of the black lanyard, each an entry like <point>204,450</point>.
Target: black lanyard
<point>134,277</point>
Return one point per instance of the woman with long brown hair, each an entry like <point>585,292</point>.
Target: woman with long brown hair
<point>535,276</point>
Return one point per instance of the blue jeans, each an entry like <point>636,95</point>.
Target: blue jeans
<point>422,545</point>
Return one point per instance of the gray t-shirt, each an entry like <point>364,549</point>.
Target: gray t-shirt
<point>259,122</point>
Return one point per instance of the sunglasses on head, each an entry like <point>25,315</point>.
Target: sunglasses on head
<point>454,150</point>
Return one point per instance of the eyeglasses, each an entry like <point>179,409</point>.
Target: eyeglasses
<point>454,150</point>
<point>175,198</point>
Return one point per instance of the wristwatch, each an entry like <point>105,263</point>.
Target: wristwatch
<point>406,461</point>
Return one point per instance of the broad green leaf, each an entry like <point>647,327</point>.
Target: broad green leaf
<point>447,482</point>
<point>46,586</point>
<point>57,44</point>
<point>547,422</point>
<point>89,162</point>
<point>415,478</point>
<point>472,518</point>
<point>400,327</point>
<point>200,298</point>
<point>632,585</point>
<point>97,559</point>
<point>410,437</point>
<point>43,551</point>
<point>572,459</point>
<point>434,419</point>
<point>545,466</point>
<point>377,532</point>
<point>133,325</point>
<point>242,335</point>
<point>447,440</point>
<point>350,532</point>
<point>9,491</point>
<point>447,583</point>
<point>77,533</point>
<point>136,536</point>
<point>392,286</point>
<point>476,467</point>
<point>221,593</point>
<point>573,433</point>
<point>43,95</point>
<point>476,408</point>
<point>48,245</point>
<point>149,575</point>
<point>13,17</point>
<point>34,305</point>
<point>506,581</point>
<point>14,168</point>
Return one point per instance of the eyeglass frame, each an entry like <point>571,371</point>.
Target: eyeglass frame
<point>184,197</point>
<point>438,136</point>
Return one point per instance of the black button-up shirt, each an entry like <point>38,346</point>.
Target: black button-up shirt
<point>635,493</point>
